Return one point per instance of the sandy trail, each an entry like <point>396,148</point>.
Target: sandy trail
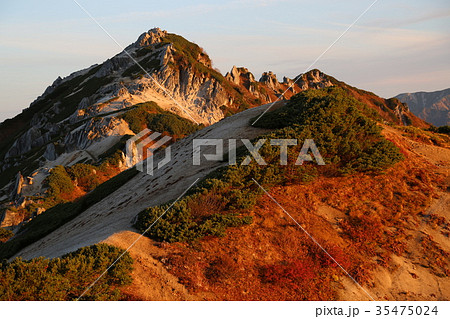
<point>151,280</point>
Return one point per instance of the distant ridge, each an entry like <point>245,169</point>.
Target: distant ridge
<point>433,107</point>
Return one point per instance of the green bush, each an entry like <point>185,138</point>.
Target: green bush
<point>62,180</point>
<point>85,175</point>
<point>347,139</point>
<point>170,123</point>
<point>79,171</point>
<point>5,234</point>
<point>185,48</point>
<point>150,115</point>
<point>443,129</point>
<point>179,225</point>
<point>66,278</point>
<point>59,182</point>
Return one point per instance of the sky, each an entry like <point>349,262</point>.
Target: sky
<point>396,47</point>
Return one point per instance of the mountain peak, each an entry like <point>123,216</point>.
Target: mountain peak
<point>153,36</point>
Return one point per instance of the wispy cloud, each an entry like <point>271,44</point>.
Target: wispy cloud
<point>411,20</point>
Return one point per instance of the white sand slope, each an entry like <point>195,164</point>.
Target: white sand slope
<point>115,213</point>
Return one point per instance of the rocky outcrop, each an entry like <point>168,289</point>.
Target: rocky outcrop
<point>313,79</point>
<point>400,110</point>
<point>94,131</point>
<point>52,87</point>
<point>234,76</point>
<point>270,80</point>
<point>241,76</point>
<point>31,139</point>
<point>37,212</point>
<point>17,186</point>
<point>153,36</point>
<point>200,95</point>
<point>182,90</point>
<point>85,102</point>
<point>9,218</point>
<point>50,152</point>
<point>112,65</point>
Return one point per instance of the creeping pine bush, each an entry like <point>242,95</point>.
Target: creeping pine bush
<point>66,278</point>
<point>85,176</point>
<point>180,225</point>
<point>62,180</point>
<point>443,129</point>
<point>150,115</point>
<point>59,182</point>
<point>5,234</point>
<point>348,140</point>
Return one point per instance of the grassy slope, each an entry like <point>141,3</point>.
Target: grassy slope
<point>383,107</point>
<point>351,213</point>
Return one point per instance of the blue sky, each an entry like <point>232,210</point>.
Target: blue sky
<point>398,46</point>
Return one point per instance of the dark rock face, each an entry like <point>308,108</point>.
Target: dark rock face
<point>17,188</point>
<point>50,152</point>
<point>31,139</point>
